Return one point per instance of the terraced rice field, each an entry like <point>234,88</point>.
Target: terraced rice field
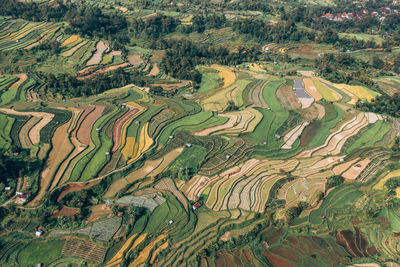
<point>327,93</point>
<point>211,166</point>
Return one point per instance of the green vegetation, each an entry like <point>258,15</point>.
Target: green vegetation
<point>43,252</point>
<point>370,137</point>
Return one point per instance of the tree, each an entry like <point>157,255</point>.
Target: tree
<point>334,181</point>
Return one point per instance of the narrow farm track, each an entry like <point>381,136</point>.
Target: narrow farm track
<point>22,78</point>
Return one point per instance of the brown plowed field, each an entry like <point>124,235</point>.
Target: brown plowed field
<point>86,75</point>
<point>84,130</point>
<point>87,110</point>
<point>354,171</point>
<point>72,187</point>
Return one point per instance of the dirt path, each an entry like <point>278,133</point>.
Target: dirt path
<point>61,148</point>
<point>101,47</point>
<point>22,78</point>
<point>86,126</point>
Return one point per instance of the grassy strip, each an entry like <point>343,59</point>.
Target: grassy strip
<point>60,117</point>
<point>102,144</point>
<point>370,136</point>
<point>5,129</point>
<point>195,122</point>
<point>273,119</point>
<point>333,116</point>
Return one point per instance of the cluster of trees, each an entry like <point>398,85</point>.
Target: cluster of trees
<point>154,26</point>
<point>33,11</point>
<point>200,23</point>
<point>90,21</point>
<point>182,56</point>
<point>382,104</point>
<point>334,181</point>
<point>295,211</point>
<point>84,199</point>
<point>13,167</point>
<point>69,86</point>
<point>343,68</point>
<point>279,32</point>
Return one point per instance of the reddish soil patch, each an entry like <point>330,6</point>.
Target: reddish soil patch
<point>276,260</point>
<point>65,211</point>
<point>220,260</point>
<point>86,112</point>
<point>71,187</point>
<point>85,128</point>
<point>246,256</point>
<point>154,71</point>
<point>286,253</point>
<point>309,132</point>
<point>119,125</point>
<point>356,245</point>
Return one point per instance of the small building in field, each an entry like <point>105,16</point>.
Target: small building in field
<point>197,205</point>
<point>38,233</point>
<point>22,195</point>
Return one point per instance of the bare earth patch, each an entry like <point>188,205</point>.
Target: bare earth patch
<point>135,59</point>
<point>356,169</point>
<point>101,47</point>
<point>311,89</point>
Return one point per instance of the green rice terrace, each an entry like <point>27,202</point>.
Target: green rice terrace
<point>146,133</point>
